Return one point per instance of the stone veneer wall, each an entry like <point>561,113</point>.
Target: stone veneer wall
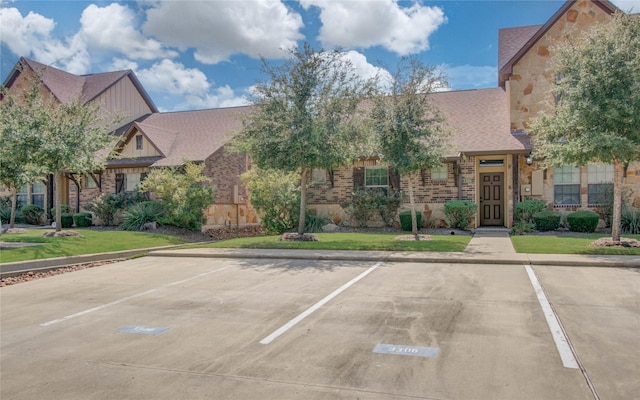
<point>529,84</point>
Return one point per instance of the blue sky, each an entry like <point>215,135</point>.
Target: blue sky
<point>205,54</point>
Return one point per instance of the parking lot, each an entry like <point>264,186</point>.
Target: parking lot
<point>194,328</point>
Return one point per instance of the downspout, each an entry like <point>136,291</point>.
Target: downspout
<point>458,171</point>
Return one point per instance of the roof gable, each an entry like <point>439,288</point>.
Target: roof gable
<point>505,63</point>
<point>67,87</point>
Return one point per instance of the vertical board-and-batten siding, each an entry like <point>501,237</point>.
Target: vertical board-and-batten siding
<point>121,96</point>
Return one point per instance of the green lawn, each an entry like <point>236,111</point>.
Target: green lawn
<point>351,241</point>
<point>91,241</point>
<point>561,244</point>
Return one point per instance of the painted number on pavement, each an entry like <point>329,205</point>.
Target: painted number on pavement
<point>406,350</point>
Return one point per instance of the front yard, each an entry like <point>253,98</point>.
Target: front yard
<point>569,244</point>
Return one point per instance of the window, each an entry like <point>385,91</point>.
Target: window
<point>22,197</point>
<point>376,177</point>
<point>89,183</point>
<point>566,185</point>
<point>318,176</point>
<point>139,142</point>
<point>600,183</point>
<point>440,173</point>
<point>127,182</point>
<point>131,182</point>
<point>37,194</point>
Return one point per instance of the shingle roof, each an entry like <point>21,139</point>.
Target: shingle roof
<point>67,87</point>
<point>511,40</point>
<point>480,121</point>
<point>191,135</point>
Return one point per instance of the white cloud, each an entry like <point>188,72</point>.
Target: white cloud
<point>363,68</point>
<point>31,36</point>
<point>219,29</point>
<point>470,76</point>
<point>168,77</point>
<point>363,24</point>
<point>111,28</point>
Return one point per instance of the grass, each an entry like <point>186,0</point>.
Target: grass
<point>351,241</point>
<point>561,244</point>
<point>91,241</point>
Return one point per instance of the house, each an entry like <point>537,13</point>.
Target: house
<point>489,163</point>
<point>118,94</point>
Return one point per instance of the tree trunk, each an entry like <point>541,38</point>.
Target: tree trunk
<point>618,172</point>
<point>14,206</point>
<point>58,192</point>
<point>303,201</point>
<point>414,219</point>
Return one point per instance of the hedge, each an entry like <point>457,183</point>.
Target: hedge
<point>460,213</point>
<point>405,220</point>
<point>547,220</point>
<point>526,209</point>
<point>82,220</point>
<point>583,221</point>
<point>66,220</point>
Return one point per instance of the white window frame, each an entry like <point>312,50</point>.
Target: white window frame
<point>318,176</point>
<point>599,179</point>
<point>369,170</point>
<point>440,173</point>
<point>131,182</point>
<point>565,176</point>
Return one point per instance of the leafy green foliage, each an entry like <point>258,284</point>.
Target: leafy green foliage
<point>460,213</point>
<point>405,220</point>
<point>82,220</point>
<point>33,214</point>
<point>583,221</point>
<point>141,213</point>
<point>409,129</point>
<point>631,220</point>
<point>526,209</point>
<point>547,220</point>
<point>315,223</point>
<point>104,207</point>
<point>306,116</point>
<point>64,208</point>
<point>598,116</point>
<point>66,219</point>
<point>276,195</point>
<point>366,202</point>
<point>522,227</point>
<point>183,193</point>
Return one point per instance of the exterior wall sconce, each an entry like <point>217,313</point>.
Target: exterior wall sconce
<point>529,159</point>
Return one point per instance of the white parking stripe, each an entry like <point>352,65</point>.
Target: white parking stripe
<point>319,304</point>
<point>559,337</point>
<point>113,303</point>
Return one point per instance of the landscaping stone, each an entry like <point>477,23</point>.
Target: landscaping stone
<point>330,228</point>
<point>295,237</point>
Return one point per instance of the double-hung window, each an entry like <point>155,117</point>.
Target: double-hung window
<point>440,173</point>
<point>37,193</point>
<point>566,185</point>
<point>377,177</point>
<point>600,183</point>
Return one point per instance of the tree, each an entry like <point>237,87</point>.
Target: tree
<point>409,129</point>
<point>277,195</point>
<point>182,192</point>
<point>305,116</point>
<point>60,138</point>
<point>21,121</point>
<point>597,116</point>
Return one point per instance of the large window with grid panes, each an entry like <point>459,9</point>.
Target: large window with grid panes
<point>377,177</point>
<point>566,185</point>
<point>599,184</point>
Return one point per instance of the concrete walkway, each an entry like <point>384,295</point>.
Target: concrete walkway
<point>490,241</point>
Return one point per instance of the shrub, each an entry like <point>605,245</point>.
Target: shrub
<point>64,209</point>
<point>33,214</point>
<point>314,223</point>
<point>82,220</point>
<point>405,220</point>
<point>66,220</point>
<point>105,207</point>
<point>183,191</point>
<point>583,221</point>
<point>276,195</point>
<point>630,220</point>
<point>526,209</point>
<point>460,213</point>
<point>522,227</point>
<point>139,214</point>
<point>5,214</point>
<point>366,202</point>
<point>547,220</point>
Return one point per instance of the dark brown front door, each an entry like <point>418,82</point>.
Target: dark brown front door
<point>491,198</point>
